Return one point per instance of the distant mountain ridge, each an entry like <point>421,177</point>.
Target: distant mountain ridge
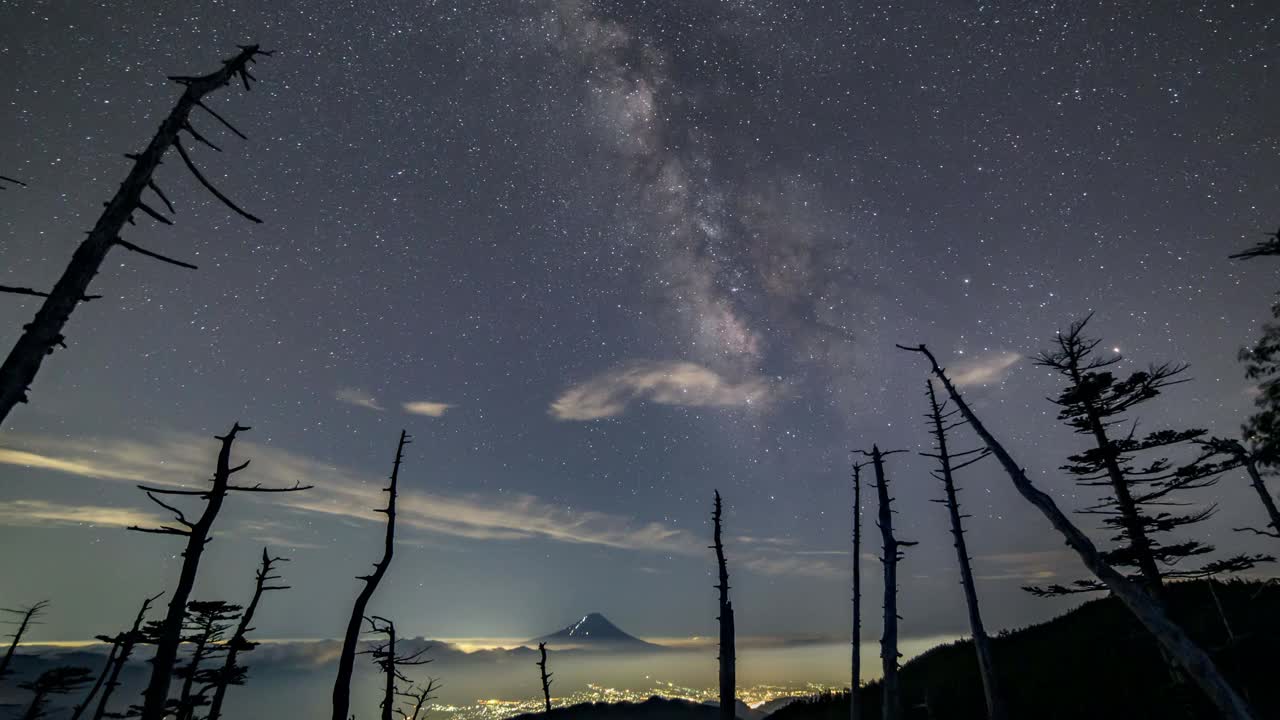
<point>594,631</point>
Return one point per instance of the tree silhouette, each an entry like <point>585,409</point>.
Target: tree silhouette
<point>855,674</point>
<point>1149,609</point>
<point>346,661</point>
<point>105,677</point>
<point>169,631</point>
<point>418,697</point>
<point>122,645</point>
<point>1242,457</point>
<point>232,673</point>
<point>1262,363</point>
<point>43,334</point>
<point>891,704</point>
<point>1093,403</point>
<point>941,421</point>
<point>55,681</point>
<point>728,655</point>
<point>207,624</point>
<point>27,616</point>
<point>546,676</point>
<point>389,662</point>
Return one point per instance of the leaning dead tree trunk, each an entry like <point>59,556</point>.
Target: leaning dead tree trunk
<point>948,463</point>
<point>43,334</point>
<point>28,616</point>
<point>728,656</point>
<point>891,702</point>
<point>855,674</point>
<point>197,535</point>
<point>347,660</point>
<point>231,673</point>
<point>546,676</point>
<point>1249,460</point>
<point>1148,610</point>
<point>123,643</point>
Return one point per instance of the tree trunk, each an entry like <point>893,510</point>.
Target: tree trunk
<point>546,677</point>
<point>102,678</point>
<point>1260,487</point>
<point>28,615</point>
<point>126,649</point>
<point>981,642</point>
<point>1148,609</point>
<point>157,692</point>
<point>891,703</point>
<point>44,333</point>
<point>389,680</point>
<point>855,676</point>
<point>347,660</point>
<point>238,639</point>
<point>728,657</point>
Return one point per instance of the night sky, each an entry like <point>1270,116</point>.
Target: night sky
<point>601,258</point>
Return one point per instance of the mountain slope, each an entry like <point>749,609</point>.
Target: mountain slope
<point>1093,662</point>
<point>593,631</point>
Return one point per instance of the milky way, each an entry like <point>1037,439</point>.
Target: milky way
<point>601,258</point>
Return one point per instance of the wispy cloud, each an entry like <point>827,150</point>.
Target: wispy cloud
<point>982,370</point>
<point>185,461</point>
<point>359,398</point>
<point>684,384</point>
<point>41,513</point>
<point>426,407</point>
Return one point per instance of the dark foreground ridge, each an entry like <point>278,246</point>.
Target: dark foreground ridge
<point>1093,662</point>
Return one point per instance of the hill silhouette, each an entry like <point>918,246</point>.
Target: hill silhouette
<point>1092,662</point>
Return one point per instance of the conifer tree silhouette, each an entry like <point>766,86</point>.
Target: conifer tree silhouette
<point>56,681</point>
<point>1093,403</point>
<point>1148,609</point>
<point>941,421</point>
<point>43,334</point>
<point>169,630</point>
<point>728,654</point>
<point>346,661</point>
<point>207,622</point>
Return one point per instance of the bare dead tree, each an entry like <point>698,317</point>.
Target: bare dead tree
<point>197,536</point>
<point>346,661</point>
<point>117,643</point>
<point>1270,246</point>
<point>546,676</point>
<point>27,616</point>
<point>1149,610</point>
<point>941,421</point>
<point>122,645</point>
<point>232,673</point>
<point>1243,457</point>
<point>389,662</point>
<point>43,334</point>
<point>728,654</point>
<point>418,697</point>
<point>56,681</point>
<point>855,674</point>
<point>891,703</point>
